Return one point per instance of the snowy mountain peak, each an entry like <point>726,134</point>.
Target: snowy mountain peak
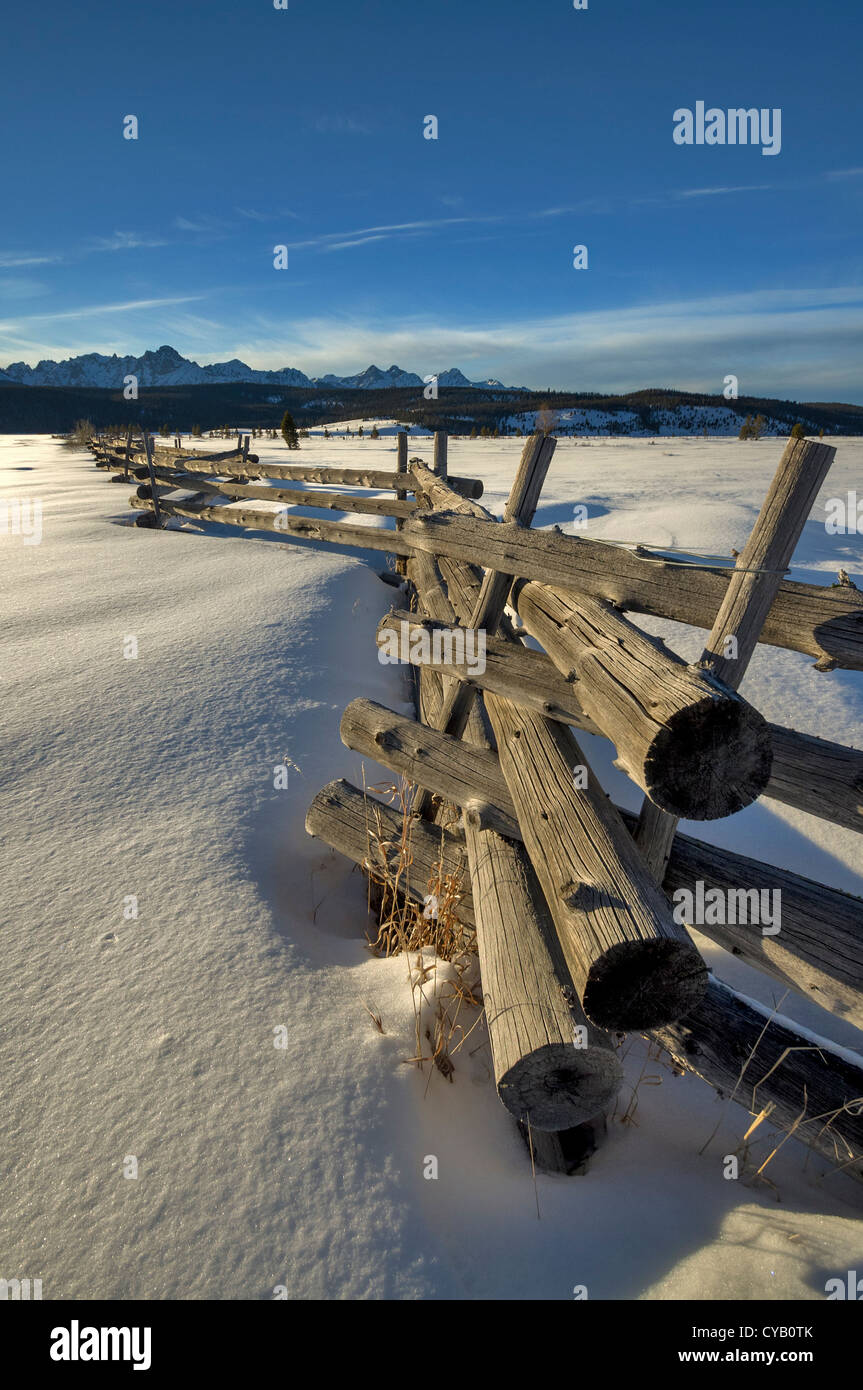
<point>165,354</point>
<point>164,366</point>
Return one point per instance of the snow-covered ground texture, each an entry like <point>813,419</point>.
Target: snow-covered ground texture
<point>150,1040</point>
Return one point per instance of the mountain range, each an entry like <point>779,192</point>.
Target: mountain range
<point>166,367</point>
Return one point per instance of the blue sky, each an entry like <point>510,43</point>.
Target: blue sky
<point>260,127</point>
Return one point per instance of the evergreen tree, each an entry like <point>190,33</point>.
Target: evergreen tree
<point>81,433</point>
<point>289,431</point>
<point>374,433</point>
<point>165,431</point>
<point>799,432</point>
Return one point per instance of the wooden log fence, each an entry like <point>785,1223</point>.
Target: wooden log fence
<point>810,774</point>
<point>825,622</point>
<point>494,589</point>
<point>818,949</point>
<point>238,464</point>
<point>550,1063</point>
<point>687,739</point>
<point>795,1082</point>
<point>297,497</point>
<point>612,927</point>
<point>753,586</point>
<point>580,909</point>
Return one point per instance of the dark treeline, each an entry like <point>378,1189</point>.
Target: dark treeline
<point>458,410</point>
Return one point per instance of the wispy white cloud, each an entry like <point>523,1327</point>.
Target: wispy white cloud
<point>845,174</point>
<point>129,306</point>
<point>345,240</point>
<point>255,215</point>
<point>206,224</point>
<point>9,260</point>
<point>327,241</point>
<point>387,229</point>
<point>716,192</point>
<point>601,205</point>
<point>21,287</point>
<point>345,245</point>
<point>123,241</point>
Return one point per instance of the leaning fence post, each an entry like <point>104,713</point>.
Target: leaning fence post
<point>148,448</point>
<point>401,467</point>
<point>494,589</point>
<point>753,586</point>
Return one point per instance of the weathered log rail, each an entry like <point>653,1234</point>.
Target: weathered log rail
<point>214,482</point>
<point>174,480</point>
<point>810,774</point>
<point>239,463</point>
<point>819,949</point>
<point>573,901</point>
<point>689,741</point>
<point>821,621</point>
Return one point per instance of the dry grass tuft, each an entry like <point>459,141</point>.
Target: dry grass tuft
<point>419,920</point>
<point>404,922</point>
<point>753,1171</point>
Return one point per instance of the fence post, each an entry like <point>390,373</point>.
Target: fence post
<point>148,449</point>
<point>754,584</point>
<point>439,463</point>
<point>401,467</point>
<point>494,590</point>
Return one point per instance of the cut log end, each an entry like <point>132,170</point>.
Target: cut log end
<point>636,983</point>
<point>561,1085</point>
<point>710,760</point>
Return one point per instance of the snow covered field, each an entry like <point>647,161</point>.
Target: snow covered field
<point>152,1038</point>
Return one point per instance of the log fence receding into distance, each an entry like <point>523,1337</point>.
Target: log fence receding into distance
<point>574,904</point>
